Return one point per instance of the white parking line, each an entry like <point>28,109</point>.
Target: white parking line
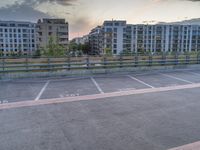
<point>180,79</point>
<point>194,73</point>
<point>97,85</point>
<point>140,81</point>
<point>42,90</point>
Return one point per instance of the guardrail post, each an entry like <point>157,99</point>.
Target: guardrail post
<point>26,63</point>
<point>104,62</point>
<point>88,62</point>
<point>121,60</point>
<point>49,64</point>
<point>3,64</point>
<point>198,58</point>
<point>187,59</point>
<point>176,59</point>
<point>163,62</point>
<point>150,60</point>
<point>136,60</point>
<point>68,63</point>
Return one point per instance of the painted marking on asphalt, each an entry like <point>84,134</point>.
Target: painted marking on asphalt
<point>192,146</point>
<point>97,85</point>
<point>180,79</point>
<point>140,81</point>
<point>42,90</point>
<point>194,73</point>
<point>96,96</point>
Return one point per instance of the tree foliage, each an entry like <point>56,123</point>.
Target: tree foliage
<point>53,49</point>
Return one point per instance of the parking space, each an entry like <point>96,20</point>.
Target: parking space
<point>159,80</point>
<point>185,76</point>
<point>69,88</point>
<point>19,91</point>
<point>121,83</point>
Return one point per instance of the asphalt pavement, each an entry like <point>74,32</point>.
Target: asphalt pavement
<point>164,113</point>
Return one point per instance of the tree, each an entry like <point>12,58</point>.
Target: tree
<point>1,53</point>
<point>78,49</point>
<point>108,51</point>
<point>37,53</point>
<point>53,49</point>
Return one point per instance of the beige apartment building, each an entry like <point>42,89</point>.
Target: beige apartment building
<point>55,28</point>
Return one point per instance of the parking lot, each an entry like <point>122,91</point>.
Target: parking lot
<point>140,111</point>
<point>49,88</point>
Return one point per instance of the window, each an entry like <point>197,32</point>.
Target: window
<point>109,30</point>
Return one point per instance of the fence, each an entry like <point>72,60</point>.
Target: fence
<point>49,64</point>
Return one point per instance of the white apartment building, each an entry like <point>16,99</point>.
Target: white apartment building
<point>96,41</point>
<point>119,37</point>
<point>55,28</point>
<point>165,38</point>
<point>114,36</point>
<point>17,38</point>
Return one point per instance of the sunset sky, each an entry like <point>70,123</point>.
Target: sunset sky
<point>83,15</point>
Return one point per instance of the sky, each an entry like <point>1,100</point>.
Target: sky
<point>83,15</point>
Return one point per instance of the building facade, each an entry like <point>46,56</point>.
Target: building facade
<point>96,41</point>
<point>114,36</point>
<point>55,28</point>
<point>165,38</point>
<point>17,38</point>
<point>81,40</point>
<point>118,37</point>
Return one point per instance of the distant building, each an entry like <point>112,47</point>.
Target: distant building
<point>114,35</point>
<point>165,38</point>
<point>17,38</point>
<point>96,41</point>
<point>118,37</point>
<point>81,40</point>
<point>55,28</point>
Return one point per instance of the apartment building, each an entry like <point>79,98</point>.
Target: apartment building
<point>165,38</point>
<point>81,40</point>
<point>17,38</point>
<point>114,36</point>
<point>55,28</point>
<point>119,37</point>
<point>96,41</point>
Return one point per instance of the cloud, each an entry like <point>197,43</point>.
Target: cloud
<point>26,10</point>
<point>194,0</point>
<point>22,12</point>
<point>157,1</point>
<point>38,2</point>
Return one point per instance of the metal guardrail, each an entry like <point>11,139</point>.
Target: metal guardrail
<point>47,64</point>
